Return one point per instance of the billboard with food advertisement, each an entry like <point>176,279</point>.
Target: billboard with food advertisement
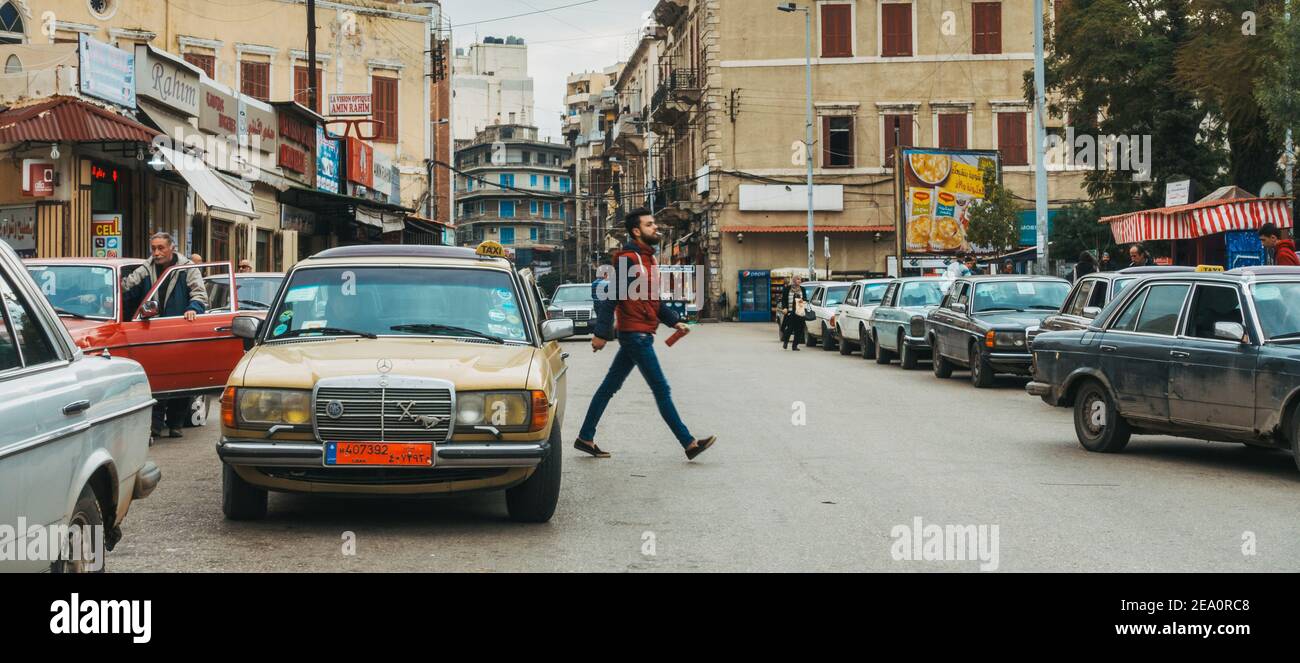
<point>936,189</point>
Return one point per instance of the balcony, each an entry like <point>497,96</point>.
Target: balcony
<point>669,12</point>
<point>680,89</point>
<point>628,135</point>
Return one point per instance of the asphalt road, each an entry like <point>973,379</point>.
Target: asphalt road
<point>880,447</point>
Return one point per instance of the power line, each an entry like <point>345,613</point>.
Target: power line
<point>532,13</point>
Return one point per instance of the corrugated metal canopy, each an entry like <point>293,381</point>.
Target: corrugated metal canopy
<point>68,119</point>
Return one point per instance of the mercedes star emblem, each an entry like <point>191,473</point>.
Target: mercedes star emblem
<point>385,366</point>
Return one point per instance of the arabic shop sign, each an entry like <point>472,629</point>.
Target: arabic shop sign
<point>327,162</point>
<point>246,120</point>
<point>105,72</point>
<point>169,81</point>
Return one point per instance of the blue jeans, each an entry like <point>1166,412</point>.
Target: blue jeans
<point>635,350</point>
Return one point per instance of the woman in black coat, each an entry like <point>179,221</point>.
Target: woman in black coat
<point>792,320</point>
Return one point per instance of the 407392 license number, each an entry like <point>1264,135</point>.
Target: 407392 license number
<point>381,454</point>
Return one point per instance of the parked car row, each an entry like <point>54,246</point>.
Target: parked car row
<point>1147,351</point>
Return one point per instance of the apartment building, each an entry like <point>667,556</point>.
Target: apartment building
<point>591,108</point>
<point>514,188</point>
<point>491,85</point>
<point>728,111</point>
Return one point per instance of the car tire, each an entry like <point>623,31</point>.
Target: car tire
<point>846,348</point>
<point>534,500</point>
<point>827,341</point>
<point>906,356</point>
<point>883,356</point>
<point>241,500</point>
<point>981,371</point>
<point>1295,438</point>
<point>942,367</point>
<point>1097,423</point>
<point>88,517</point>
<point>868,345</point>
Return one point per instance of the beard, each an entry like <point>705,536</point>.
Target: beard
<point>650,240</point>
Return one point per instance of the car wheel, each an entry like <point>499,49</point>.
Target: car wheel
<point>1295,438</point>
<point>981,371</point>
<point>906,356</point>
<point>883,356</point>
<point>828,342</point>
<point>241,500</point>
<point>534,500</point>
<point>845,348</point>
<point>868,345</point>
<point>942,367</point>
<point>87,521</point>
<point>1096,421</point>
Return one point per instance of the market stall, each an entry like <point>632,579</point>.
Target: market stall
<point>1218,230</point>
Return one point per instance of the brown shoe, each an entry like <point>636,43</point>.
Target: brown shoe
<point>590,449</point>
<point>699,447</point>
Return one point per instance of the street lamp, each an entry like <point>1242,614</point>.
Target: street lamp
<point>790,8</point>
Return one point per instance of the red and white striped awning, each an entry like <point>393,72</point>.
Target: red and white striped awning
<point>1199,219</point>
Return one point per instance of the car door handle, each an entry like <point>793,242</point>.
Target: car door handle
<point>1108,348</point>
<point>1179,355</point>
<point>222,330</point>
<point>76,408</point>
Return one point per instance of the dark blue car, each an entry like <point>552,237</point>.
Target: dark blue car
<point>1207,356</point>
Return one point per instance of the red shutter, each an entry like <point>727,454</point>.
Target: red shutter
<point>385,107</point>
<point>301,93</point>
<point>896,22</point>
<point>255,79</point>
<point>837,31</point>
<point>1012,139</point>
<point>986,22</point>
<point>208,63</point>
<point>952,131</point>
<point>905,127</point>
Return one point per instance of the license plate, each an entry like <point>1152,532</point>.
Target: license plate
<point>378,454</point>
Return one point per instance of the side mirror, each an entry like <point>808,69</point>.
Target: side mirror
<point>247,328</point>
<point>1091,312</point>
<point>546,302</point>
<point>554,330</point>
<point>959,307</point>
<point>149,309</point>
<point>1230,331</point>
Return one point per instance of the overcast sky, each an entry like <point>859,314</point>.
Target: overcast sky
<point>589,37</point>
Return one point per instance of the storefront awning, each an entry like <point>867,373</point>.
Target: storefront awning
<point>1209,217</point>
<point>389,221</point>
<point>804,229</point>
<point>68,119</point>
<point>214,191</point>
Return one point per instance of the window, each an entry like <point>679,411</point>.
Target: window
<point>952,131</point>
<point>532,208</point>
<point>469,184</point>
<point>838,141</point>
<point>385,107</point>
<point>208,63</point>
<point>532,181</point>
<point>528,157</point>
<point>532,234</point>
<point>13,65</point>
<point>255,79</point>
<point>508,235</point>
<point>506,209</point>
<point>546,183</point>
<point>1098,298</point>
<point>11,25</point>
<point>565,185</point>
<point>1080,299</point>
<point>21,334</point>
<point>506,180</point>
<point>302,87</point>
<point>837,30</point>
<point>546,211</point>
<point>904,138</point>
<point>1210,305</point>
<point>986,22</point>
<point>896,29</point>
<point>1160,313</point>
<point>1013,139</point>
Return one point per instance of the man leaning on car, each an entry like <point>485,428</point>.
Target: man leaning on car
<point>173,302</point>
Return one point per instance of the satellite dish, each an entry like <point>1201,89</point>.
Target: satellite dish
<point>1272,190</point>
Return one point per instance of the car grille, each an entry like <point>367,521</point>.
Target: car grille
<point>579,316</point>
<point>1030,334</point>
<point>383,415</point>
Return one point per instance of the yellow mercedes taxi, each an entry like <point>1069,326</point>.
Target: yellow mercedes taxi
<point>400,371</point>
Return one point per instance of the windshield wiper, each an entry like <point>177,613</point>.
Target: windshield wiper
<point>430,328</point>
<point>326,331</point>
<point>63,311</point>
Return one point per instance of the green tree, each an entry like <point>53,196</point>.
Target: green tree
<point>995,221</point>
<point>1076,229</point>
<point>1278,87</point>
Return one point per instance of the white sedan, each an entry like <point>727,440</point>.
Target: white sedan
<point>854,316</point>
<point>825,302</point>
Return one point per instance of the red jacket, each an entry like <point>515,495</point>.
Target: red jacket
<point>636,305</point>
<point>1285,254</point>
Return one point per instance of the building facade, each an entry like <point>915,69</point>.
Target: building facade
<point>491,86</point>
<point>514,189</point>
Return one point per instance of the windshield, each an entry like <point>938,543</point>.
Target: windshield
<point>835,296</point>
<point>400,301</point>
<point>924,293</point>
<point>255,292</point>
<point>873,293</point>
<point>78,290</point>
<point>572,295</point>
<point>1020,296</point>
<point>1278,305</point>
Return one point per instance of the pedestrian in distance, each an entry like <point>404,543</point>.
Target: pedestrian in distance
<point>1281,251</point>
<point>245,266</point>
<point>792,322</point>
<point>183,296</point>
<point>1106,265</point>
<point>1139,256</point>
<point>1084,267</point>
<point>632,315</point>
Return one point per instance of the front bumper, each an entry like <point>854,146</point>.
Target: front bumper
<point>917,342</point>
<point>1017,363</point>
<point>146,480</point>
<point>1042,390</point>
<point>470,455</point>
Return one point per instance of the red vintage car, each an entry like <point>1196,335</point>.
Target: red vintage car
<point>181,357</point>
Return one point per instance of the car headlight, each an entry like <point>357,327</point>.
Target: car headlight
<point>1010,340</point>
<point>271,407</point>
<point>501,409</point>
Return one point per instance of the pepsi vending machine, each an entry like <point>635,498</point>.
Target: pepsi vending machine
<point>755,296</point>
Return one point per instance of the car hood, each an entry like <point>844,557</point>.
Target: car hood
<point>914,311</point>
<point>89,333</point>
<point>1013,319</point>
<point>471,366</point>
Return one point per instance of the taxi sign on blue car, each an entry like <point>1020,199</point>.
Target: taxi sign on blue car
<point>491,249</point>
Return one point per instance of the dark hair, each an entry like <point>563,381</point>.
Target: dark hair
<point>633,220</point>
<point>1270,230</point>
<point>1142,250</point>
<point>1086,258</point>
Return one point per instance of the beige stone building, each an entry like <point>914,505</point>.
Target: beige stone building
<point>728,111</point>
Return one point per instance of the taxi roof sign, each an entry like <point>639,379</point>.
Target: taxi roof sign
<point>491,249</point>
<point>1209,268</point>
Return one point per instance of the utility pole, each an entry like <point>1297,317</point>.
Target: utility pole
<point>791,7</point>
<point>1040,139</point>
<point>1289,154</point>
<point>313,93</point>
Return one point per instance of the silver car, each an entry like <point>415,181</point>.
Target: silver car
<point>74,436</point>
<point>574,301</point>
